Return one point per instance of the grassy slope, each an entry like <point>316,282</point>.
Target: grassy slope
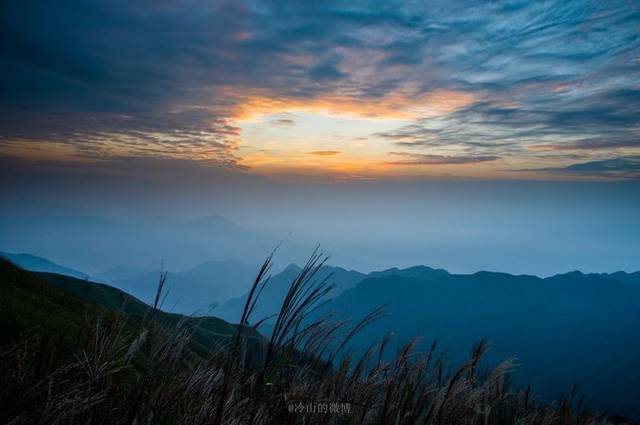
<point>30,304</point>
<point>51,304</point>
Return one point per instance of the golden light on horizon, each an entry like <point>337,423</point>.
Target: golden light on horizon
<point>331,134</point>
<point>390,107</point>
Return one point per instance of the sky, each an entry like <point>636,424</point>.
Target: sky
<point>191,107</point>
<point>359,89</point>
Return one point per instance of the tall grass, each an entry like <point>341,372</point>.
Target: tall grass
<point>146,373</point>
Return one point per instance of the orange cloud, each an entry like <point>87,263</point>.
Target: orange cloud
<point>398,106</point>
<point>324,153</point>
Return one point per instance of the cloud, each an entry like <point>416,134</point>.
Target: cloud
<point>594,144</point>
<point>545,83</point>
<point>618,168</point>
<point>428,159</point>
<point>604,120</point>
<point>283,122</point>
<point>325,72</point>
<point>324,153</point>
<point>116,79</point>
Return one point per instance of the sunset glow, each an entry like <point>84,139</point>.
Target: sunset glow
<point>449,89</point>
<point>272,204</point>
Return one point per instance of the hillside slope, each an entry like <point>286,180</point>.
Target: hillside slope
<point>52,304</point>
<point>28,304</point>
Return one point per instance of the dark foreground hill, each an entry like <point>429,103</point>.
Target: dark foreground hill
<point>52,304</point>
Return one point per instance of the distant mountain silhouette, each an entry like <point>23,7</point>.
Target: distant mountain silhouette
<point>115,274</point>
<point>38,264</point>
<point>632,280</point>
<point>419,272</point>
<point>275,291</point>
<point>194,291</point>
<point>563,329</point>
<point>94,244</point>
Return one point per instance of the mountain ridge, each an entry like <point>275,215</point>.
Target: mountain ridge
<point>40,264</point>
<point>559,327</point>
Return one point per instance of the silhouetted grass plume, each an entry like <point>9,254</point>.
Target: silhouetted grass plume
<point>121,369</point>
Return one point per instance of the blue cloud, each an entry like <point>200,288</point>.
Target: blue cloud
<point>619,168</point>
<point>408,158</point>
